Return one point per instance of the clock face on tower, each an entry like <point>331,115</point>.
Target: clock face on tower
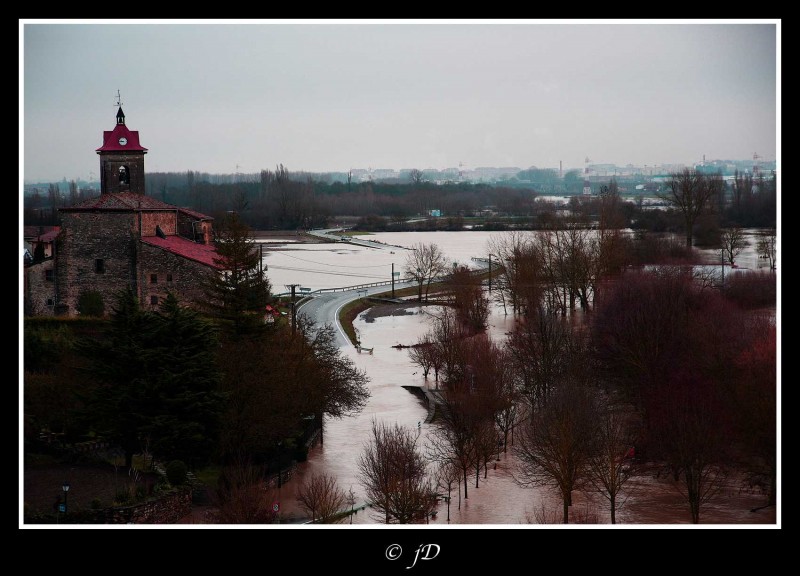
<point>123,141</point>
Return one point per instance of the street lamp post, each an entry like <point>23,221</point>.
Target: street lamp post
<point>65,488</point>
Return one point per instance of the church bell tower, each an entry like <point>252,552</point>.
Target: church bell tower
<point>121,158</point>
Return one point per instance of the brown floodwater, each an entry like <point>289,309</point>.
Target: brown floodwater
<point>499,500</point>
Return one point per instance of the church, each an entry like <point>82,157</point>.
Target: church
<point>120,239</point>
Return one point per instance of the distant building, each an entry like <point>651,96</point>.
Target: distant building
<point>120,239</point>
<point>587,188</point>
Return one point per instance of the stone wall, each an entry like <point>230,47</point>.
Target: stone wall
<point>168,509</point>
<point>181,276</point>
<point>196,230</point>
<point>166,219</point>
<point>86,238</point>
<point>39,292</point>
<point>109,170</point>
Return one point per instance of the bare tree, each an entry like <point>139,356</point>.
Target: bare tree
<point>425,354</point>
<point>321,497</point>
<point>473,370</point>
<point>538,348</point>
<point>424,263</point>
<point>447,476</point>
<point>733,242</point>
<point>468,299</point>
<point>687,425</point>
<point>506,416</point>
<point>450,350</point>
<point>640,328</point>
<point>570,259</point>
<point>518,282</point>
<point>394,474</point>
<point>692,193</point>
<point>767,247</point>
<point>416,176</point>
<point>609,463</point>
<point>419,354</point>
<point>454,438</point>
<point>555,445</point>
<point>243,497</point>
<point>756,405</point>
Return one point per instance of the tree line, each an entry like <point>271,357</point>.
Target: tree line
<point>280,199</point>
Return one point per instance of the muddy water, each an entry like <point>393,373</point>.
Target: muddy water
<point>499,500</point>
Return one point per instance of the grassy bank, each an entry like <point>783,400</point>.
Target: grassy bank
<point>349,313</point>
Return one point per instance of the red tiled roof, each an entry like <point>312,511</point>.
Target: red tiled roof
<point>111,140</point>
<point>117,201</point>
<point>49,236</point>
<point>36,231</point>
<point>121,201</point>
<point>203,253</point>
<point>195,215</point>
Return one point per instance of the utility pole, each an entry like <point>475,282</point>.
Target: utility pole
<point>490,272</point>
<point>393,280</point>
<point>294,312</point>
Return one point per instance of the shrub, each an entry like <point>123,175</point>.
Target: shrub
<point>176,472</point>
<point>90,303</point>
<point>751,289</point>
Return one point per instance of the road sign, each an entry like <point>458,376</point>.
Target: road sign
<point>62,507</point>
<point>396,274</point>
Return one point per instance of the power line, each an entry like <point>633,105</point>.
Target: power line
<point>337,265</point>
<point>273,267</point>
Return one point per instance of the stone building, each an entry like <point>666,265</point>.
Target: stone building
<point>121,239</point>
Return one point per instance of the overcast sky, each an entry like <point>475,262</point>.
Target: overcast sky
<point>334,96</point>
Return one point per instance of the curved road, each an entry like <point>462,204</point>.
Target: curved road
<point>324,308</point>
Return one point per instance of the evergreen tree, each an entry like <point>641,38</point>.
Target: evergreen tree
<point>185,422</point>
<point>238,295</point>
<point>156,381</point>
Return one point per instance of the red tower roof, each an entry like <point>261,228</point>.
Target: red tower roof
<point>120,133</point>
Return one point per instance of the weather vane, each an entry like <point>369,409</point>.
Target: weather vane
<point>118,99</point>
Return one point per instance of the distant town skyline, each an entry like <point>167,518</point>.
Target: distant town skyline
<point>330,96</point>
